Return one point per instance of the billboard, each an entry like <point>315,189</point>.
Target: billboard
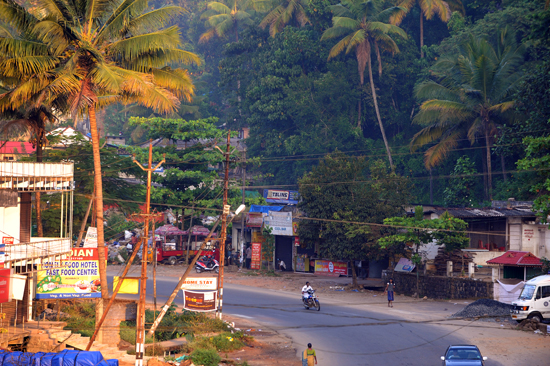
<point>199,301</point>
<point>279,222</point>
<point>331,267</point>
<point>281,196</point>
<point>76,277</point>
<point>256,260</point>
<point>200,283</point>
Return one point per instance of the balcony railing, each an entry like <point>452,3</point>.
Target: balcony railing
<point>28,176</point>
<point>35,252</point>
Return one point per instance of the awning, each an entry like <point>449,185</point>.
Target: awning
<point>264,209</point>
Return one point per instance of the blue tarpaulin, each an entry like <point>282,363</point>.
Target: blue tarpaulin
<point>264,209</point>
<point>64,358</point>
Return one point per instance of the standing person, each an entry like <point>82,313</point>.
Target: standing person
<point>389,289</point>
<point>248,256</point>
<point>309,358</point>
<point>229,252</point>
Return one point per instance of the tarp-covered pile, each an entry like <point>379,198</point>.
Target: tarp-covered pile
<point>64,358</point>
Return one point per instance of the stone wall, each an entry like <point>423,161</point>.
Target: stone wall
<point>121,310</point>
<point>438,287</point>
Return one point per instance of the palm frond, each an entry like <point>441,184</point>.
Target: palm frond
<point>436,154</point>
<point>138,45</point>
<point>13,14</point>
<point>125,11</point>
<point>220,8</point>
<point>340,46</point>
<point>178,81</point>
<point>345,22</point>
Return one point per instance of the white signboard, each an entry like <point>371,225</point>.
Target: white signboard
<point>200,283</point>
<point>91,238</point>
<point>279,222</point>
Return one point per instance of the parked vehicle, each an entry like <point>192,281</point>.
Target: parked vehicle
<point>463,355</point>
<point>311,301</point>
<point>172,243</point>
<point>534,300</point>
<point>207,263</point>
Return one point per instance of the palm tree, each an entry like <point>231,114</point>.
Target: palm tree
<point>362,24</point>
<point>222,19</point>
<point>282,13</point>
<point>428,9</point>
<point>104,52</point>
<point>470,99</point>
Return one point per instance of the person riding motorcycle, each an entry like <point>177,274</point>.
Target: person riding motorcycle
<point>305,294</point>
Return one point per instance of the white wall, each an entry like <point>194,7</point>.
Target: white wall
<point>9,222</point>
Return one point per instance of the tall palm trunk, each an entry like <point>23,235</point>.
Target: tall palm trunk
<point>421,34</point>
<point>374,98</point>
<point>98,184</point>
<point>489,169</point>
<point>39,228</point>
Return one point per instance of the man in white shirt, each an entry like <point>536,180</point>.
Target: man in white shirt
<point>305,289</point>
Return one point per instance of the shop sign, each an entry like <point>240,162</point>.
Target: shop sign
<point>77,277</point>
<point>199,301</point>
<point>279,222</point>
<point>7,240</point>
<point>256,259</point>
<point>295,228</point>
<point>254,219</point>
<point>331,267</point>
<point>5,282</point>
<point>91,238</point>
<point>296,241</point>
<point>200,283</point>
<point>281,196</point>
<point>404,265</point>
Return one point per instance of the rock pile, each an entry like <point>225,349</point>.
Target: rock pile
<point>484,308</point>
<point>528,324</point>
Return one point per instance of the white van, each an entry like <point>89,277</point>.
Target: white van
<point>534,300</point>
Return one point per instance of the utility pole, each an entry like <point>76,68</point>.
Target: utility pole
<point>242,217</point>
<point>189,232</point>
<point>140,318</point>
<point>225,212</point>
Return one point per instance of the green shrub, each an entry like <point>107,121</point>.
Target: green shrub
<point>81,318</point>
<point>205,357</point>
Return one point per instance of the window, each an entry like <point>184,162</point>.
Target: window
<point>545,291</point>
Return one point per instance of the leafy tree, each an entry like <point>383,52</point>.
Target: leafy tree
<point>461,188</point>
<point>537,158</point>
<point>428,9</point>
<point>223,19</point>
<point>362,24</point>
<point>471,98</point>
<point>415,231</point>
<point>340,198</point>
<point>283,12</point>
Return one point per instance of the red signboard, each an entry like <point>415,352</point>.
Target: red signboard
<point>199,301</point>
<point>5,285</point>
<point>296,241</point>
<point>7,240</point>
<point>331,267</point>
<point>256,256</point>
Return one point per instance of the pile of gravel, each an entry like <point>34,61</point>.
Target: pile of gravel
<point>484,308</point>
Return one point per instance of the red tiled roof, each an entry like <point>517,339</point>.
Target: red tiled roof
<point>16,147</point>
<point>515,258</point>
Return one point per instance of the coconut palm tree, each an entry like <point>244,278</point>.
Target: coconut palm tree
<point>428,9</point>
<point>101,53</point>
<point>470,98</point>
<point>223,19</point>
<point>363,26</point>
<point>282,12</point>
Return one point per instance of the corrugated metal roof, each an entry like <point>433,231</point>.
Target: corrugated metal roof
<point>486,212</point>
<point>516,258</point>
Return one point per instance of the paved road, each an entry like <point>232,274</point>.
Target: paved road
<point>344,334</point>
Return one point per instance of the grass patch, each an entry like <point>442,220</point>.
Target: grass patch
<point>81,318</point>
<point>205,357</point>
<point>224,342</point>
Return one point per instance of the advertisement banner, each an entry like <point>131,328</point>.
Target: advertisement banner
<point>331,267</point>
<point>404,265</point>
<point>200,283</point>
<point>77,277</point>
<point>256,260</point>
<point>281,196</point>
<point>199,301</point>
<point>7,240</point>
<point>296,241</point>
<point>5,282</point>
<point>254,219</point>
<point>91,238</point>
<point>279,222</point>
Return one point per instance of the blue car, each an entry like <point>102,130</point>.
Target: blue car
<point>463,355</point>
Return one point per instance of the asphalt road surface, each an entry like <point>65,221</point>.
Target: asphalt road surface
<point>344,334</point>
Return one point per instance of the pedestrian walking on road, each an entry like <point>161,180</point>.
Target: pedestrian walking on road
<point>248,257</point>
<point>309,358</point>
<point>389,289</point>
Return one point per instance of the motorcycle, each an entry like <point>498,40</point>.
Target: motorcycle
<point>207,263</point>
<point>311,301</point>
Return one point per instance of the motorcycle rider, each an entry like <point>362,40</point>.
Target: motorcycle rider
<point>305,290</point>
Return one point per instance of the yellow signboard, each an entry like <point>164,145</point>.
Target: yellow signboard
<point>129,285</point>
